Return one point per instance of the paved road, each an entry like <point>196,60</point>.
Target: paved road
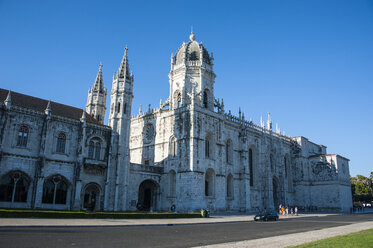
<point>167,236</point>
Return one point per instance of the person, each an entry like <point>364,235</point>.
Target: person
<point>282,210</point>
<point>292,211</point>
<point>279,209</point>
<point>296,210</point>
<point>287,211</point>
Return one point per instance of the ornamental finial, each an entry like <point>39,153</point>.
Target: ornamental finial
<point>192,37</point>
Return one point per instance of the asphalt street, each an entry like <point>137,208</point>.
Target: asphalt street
<point>167,236</point>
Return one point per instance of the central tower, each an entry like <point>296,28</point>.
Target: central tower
<point>192,77</point>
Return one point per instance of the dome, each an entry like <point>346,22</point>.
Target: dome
<point>193,51</point>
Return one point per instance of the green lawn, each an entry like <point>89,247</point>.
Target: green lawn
<point>359,239</point>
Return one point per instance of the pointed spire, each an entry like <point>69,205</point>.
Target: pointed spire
<point>239,112</point>
<point>269,122</point>
<point>124,68</point>
<point>261,122</point>
<point>83,118</point>
<point>8,100</point>
<point>48,109</point>
<point>99,82</point>
<point>278,129</point>
<point>222,105</point>
<point>160,102</point>
<point>140,109</point>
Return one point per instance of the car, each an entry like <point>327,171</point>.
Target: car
<point>265,216</point>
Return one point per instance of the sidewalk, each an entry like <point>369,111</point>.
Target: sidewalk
<point>39,222</point>
<point>295,238</point>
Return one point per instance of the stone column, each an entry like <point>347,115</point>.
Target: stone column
<point>77,200</point>
<point>39,192</point>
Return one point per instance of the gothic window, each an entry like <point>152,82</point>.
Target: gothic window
<point>173,146</point>
<point>61,143</point>
<point>55,190</point>
<point>251,167</point>
<point>205,99</point>
<point>177,99</point>
<point>229,152</point>
<point>23,133</point>
<point>172,183</point>
<point>208,147</point>
<point>230,185</point>
<point>94,149</point>
<point>118,107</point>
<point>125,108</point>
<point>209,182</point>
<point>149,133</point>
<point>14,187</point>
<point>98,117</point>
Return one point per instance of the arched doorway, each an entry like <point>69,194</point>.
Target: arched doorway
<point>148,192</point>
<point>276,193</point>
<point>91,197</point>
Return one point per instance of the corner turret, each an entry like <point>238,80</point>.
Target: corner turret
<point>96,102</point>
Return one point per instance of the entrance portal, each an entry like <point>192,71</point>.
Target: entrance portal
<point>147,195</point>
<point>91,197</point>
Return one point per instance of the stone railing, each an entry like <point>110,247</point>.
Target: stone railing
<point>249,124</point>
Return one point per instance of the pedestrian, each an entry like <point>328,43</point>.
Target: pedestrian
<point>296,210</point>
<point>292,211</point>
<point>279,209</point>
<point>283,210</point>
<point>287,211</point>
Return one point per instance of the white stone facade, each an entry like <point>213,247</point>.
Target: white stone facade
<point>185,155</point>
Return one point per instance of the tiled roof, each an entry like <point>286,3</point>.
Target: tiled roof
<point>38,104</point>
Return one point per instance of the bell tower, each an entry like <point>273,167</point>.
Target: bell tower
<point>119,120</point>
<point>192,77</point>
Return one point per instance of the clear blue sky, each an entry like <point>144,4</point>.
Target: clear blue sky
<point>309,63</point>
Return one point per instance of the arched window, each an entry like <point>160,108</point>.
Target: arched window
<point>205,99</point>
<point>97,150</point>
<point>229,152</point>
<point>177,99</point>
<point>209,182</point>
<point>98,117</point>
<point>251,167</point>
<point>118,107</point>
<point>14,187</point>
<point>91,149</point>
<point>61,143</point>
<point>125,108</point>
<point>172,183</point>
<point>55,190</point>
<point>94,149</point>
<point>230,185</point>
<point>23,133</point>
<point>208,146</point>
<point>173,146</point>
